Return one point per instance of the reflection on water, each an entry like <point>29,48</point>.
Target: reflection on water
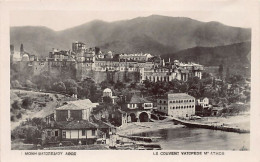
<point>199,139</point>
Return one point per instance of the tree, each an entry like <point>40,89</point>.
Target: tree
<point>27,102</point>
<point>19,115</point>
<point>70,83</point>
<point>44,81</point>
<point>104,84</point>
<point>71,86</point>
<point>16,105</point>
<point>15,84</point>
<point>72,90</point>
<point>29,84</point>
<point>59,87</point>
<point>119,85</point>
<point>107,100</point>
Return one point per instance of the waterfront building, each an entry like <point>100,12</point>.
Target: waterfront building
<point>176,105</point>
<point>138,109</point>
<point>203,102</point>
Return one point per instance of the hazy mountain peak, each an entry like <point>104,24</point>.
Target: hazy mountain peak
<point>155,34</point>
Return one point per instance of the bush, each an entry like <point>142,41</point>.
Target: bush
<point>16,105</point>
<point>29,84</point>
<point>107,100</point>
<point>12,118</point>
<point>27,103</point>
<point>18,116</point>
<point>59,87</point>
<point>15,84</point>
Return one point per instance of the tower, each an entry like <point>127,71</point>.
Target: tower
<point>21,50</point>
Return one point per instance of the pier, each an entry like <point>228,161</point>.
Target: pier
<point>209,126</point>
<point>141,138</point>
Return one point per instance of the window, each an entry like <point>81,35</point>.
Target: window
<point>56,133</point>
<point>165,102</point>
<point>64,134</point>
<point>93,132</point>
<point>49,133</point>
<point>160,101</point>
<point>83,132</point>
<point>173,101</point>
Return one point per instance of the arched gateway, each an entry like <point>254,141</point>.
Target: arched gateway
<point>143,117</point>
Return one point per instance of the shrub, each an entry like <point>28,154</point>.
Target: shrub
<point>18,116</point>
<point>27,103</point>
<point>16,105</point>
<point>59,87</point>
<point>12,118</point>
<point>15,84</point>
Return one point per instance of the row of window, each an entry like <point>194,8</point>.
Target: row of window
<point>177,107</point>
<point>182,107</point>
<point>176,101</point>
<point>181,101</point>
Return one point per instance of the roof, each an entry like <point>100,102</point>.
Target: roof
<point>107,90</point>
<point>217,108</point>
<point>102,124</point>
<point>78,105</point>
<point>138,99</point>
<point>179,96</point>
<point>82,124</point>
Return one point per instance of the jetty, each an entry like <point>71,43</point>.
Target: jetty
<point>209,126</point>
<point>140,138</point>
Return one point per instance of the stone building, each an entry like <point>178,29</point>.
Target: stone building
<point>74,110</point>
<point>177,105</point>
<point>83,62</point>
<point>138,109</point>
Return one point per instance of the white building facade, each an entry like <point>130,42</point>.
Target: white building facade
<point>177,105</point>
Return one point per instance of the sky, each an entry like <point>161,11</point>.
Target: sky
<point>63,18</point>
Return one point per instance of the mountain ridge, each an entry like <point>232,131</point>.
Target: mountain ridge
<point>154,34</point>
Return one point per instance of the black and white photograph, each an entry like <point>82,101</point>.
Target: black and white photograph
<point>138,81</point>
<point>141,78</point>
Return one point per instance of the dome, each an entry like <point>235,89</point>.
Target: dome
<point>25,57</point>
<point>107,90</point>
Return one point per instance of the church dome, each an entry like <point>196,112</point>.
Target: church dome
<point>25,57</point>
<point>107,90</point>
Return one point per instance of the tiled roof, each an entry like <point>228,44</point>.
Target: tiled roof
<point>138,99</point>
<point>78,105</point>
<point>179,96</point>
<point>102,124</point>
<point>82,124</point>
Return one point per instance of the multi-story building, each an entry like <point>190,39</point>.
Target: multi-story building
<point>177,105</point>
<point>74,110</point>
<point>136,57</point>
<point>85,63</point>
<point>78,46</point>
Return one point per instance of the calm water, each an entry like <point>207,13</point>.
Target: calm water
<point>199,139</point>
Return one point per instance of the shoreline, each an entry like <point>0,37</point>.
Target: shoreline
<point>242,121</point>
<point>136,128</point>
